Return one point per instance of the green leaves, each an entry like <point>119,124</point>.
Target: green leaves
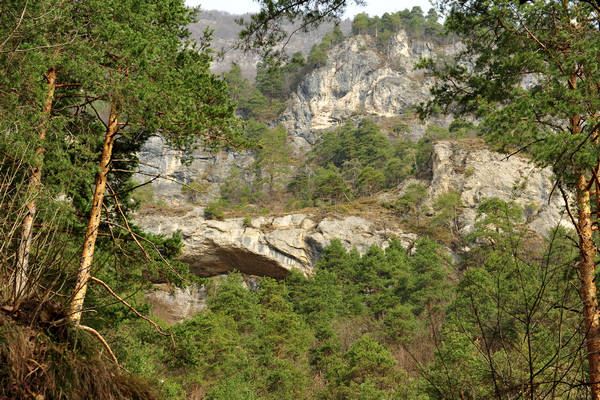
<point>526,70</point>
<point>508,317</point>
<point>356,161</point>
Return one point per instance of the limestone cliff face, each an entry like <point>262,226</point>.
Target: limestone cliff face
<point>270,246</point>
<point>205,174</point>
<point>477,173</point>
<point>275,245</point>
<point>359,80</point>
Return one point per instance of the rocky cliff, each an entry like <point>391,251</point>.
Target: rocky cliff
<point>360,80</point>
<point>204,175</point>
<point>477,173</point>
<point>270,246</point>
<point>357,81</point>
<point>274,245</point>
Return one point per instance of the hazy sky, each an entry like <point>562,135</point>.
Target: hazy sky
<point>374,7</point>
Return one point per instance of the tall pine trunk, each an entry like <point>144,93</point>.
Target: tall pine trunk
<point>84,272</point>
<point>587,290</point>
<point>22,270</point>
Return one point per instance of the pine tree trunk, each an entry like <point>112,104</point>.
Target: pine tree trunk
<point>91,234</point>
<point>22,272</point>
<point>587,291</point>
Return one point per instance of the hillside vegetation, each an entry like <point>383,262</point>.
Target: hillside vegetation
<point>496,312</point>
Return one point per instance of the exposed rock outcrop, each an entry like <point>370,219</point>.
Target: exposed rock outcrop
<point>477,173</point>
<point>359,80</point>
<point>269,246</point>
<point>173,304</point>
<point>273,246</point>
<point>204,174</point>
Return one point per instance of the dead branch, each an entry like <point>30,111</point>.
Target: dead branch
<point>114,195</point>
<point>16,27</point>
<point>101,339</point>
<point>136,312</point>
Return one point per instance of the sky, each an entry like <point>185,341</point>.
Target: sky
<point>374,7</point>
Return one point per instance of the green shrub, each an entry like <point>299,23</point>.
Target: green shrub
<point>214,210</point>
<point>144,194</point>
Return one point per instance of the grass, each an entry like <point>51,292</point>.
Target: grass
<point>41,358</point>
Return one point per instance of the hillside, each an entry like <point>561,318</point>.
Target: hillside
<point>389,213</point>
<point>226,35</point>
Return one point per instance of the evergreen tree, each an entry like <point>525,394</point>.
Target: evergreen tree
<point>531,71</point>
<point>151,84</point>
<point>36,57</point>
<point>269,79</point>
<point>240,89</point>
<point>505,327</point>
<point>273,157</point>
<point>360,24</point>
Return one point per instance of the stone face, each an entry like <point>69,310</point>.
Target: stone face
<point>173,304</point>
<point>205,173</point>
<point>273,246</point>
<point>270,246</point>
<point>477,173</point>
<point>359,80</point>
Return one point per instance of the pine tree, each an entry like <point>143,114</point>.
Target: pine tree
<point>151,83</point>
<point>531,72</point>
<point>273,159</point>
<point>36,58</point>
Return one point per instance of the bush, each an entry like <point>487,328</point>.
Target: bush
<point>247,221</point>
<point>214,210</point>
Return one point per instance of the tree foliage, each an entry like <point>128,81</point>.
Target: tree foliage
<point>530,72</point>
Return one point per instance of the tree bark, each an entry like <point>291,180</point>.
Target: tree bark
<point>22,272</point>
<point>87,255</point>
<point>587,290</point>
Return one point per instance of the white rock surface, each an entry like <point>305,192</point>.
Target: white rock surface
<point>359,80</point>
<point>269,246</point>
<point>207,172</point>
<point>477,173</point>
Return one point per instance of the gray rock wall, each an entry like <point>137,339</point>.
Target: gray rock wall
<point>206,172</point>
<point>270,246</point>
<point>359,80</point>
<point>477,173</point>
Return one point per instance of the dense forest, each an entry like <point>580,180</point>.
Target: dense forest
<point>498,312</point>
